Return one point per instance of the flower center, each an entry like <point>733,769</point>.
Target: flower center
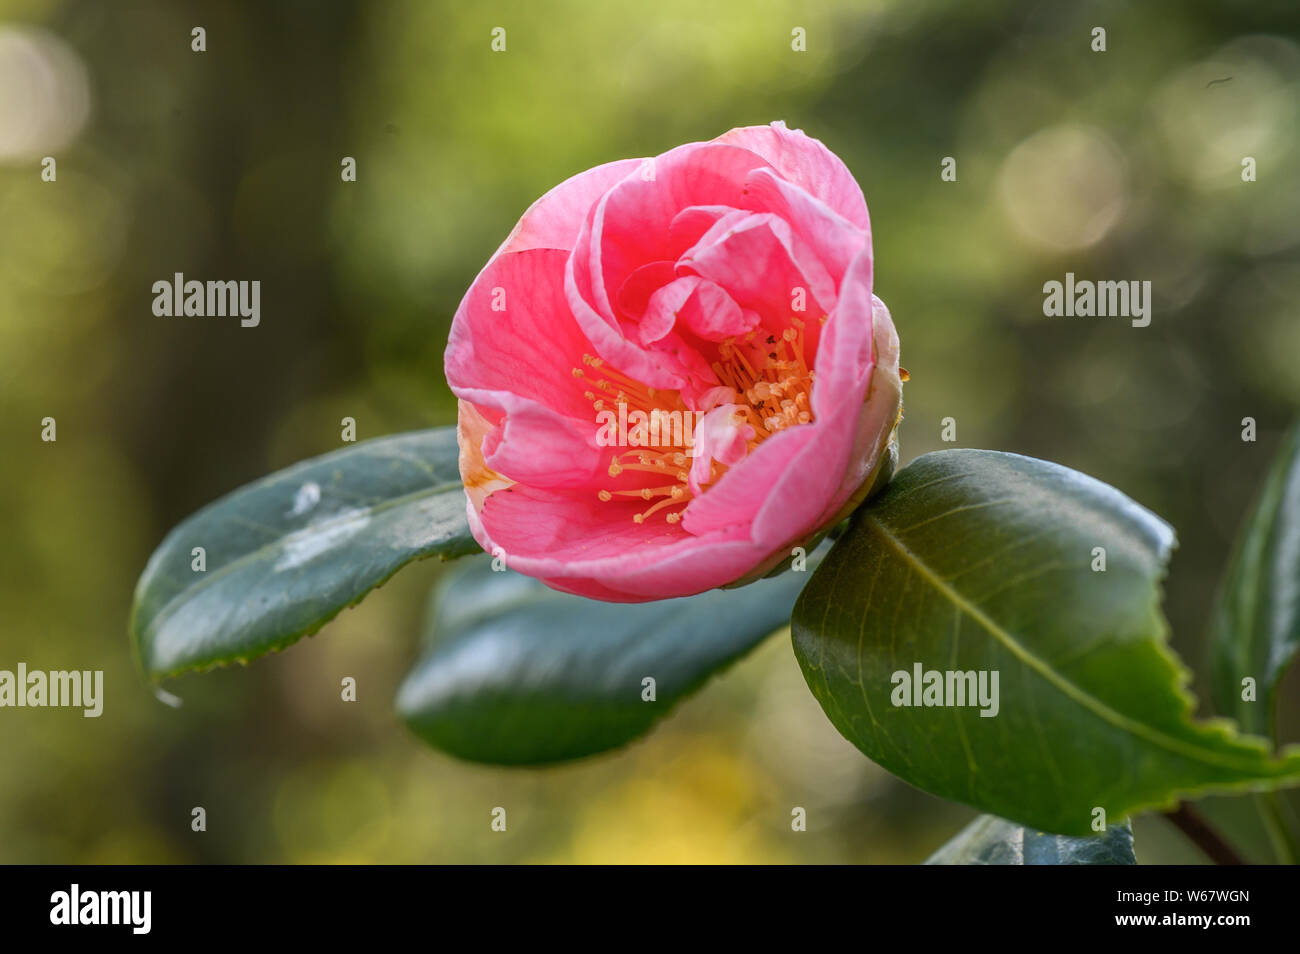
<point>772,383</point>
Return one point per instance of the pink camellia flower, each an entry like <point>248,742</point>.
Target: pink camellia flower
<point>674,371</point>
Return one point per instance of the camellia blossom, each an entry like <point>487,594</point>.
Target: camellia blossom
<point>726,282</point>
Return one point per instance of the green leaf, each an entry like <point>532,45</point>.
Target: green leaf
<point>989,840</point>
<point>286,553</point>
<point>978,561</point>
<point>1255,630</point>
<point>519,674</point>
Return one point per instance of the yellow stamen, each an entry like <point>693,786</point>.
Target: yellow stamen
<point>770,376</point>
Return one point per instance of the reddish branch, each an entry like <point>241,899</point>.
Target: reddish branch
<point>1191,824</point>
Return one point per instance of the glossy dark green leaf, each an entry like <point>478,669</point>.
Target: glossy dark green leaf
<point>1256,624</point>
<point>990,840</point>
<point>286,553</point>
<point>977,561</point>
<point>518,674</point>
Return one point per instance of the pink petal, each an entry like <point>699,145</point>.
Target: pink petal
<point>701,307</point>
<point>519,362</point>
<point>800,477</point>
<point>742,491</point>
<point>718,437</point>
<point>634,295</point>
<point>844,354</point>
<point>852,453</point>
<point>833,239</point>
<point>669,365</point>
<point>532,346</point>
<point>762,264</point>
<point>642,211</point>
<point>805,162</point>
<point>631,224</point>
<point>593,549</point>
<point>554,219</point>
<point>534,445</point>
<point>690,224</point>
<point>664,306</point>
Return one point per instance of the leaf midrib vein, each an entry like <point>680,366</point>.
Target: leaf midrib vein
<point>1086,700</point>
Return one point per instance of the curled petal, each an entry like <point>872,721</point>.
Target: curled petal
<point>719,437</point>
<point>807,163</point>
<point>553,220</point>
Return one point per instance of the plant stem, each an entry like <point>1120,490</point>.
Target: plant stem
<point>1198,830</point>
<point>1279,831</point>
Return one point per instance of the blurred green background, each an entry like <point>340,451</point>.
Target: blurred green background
<point>225,164</point>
